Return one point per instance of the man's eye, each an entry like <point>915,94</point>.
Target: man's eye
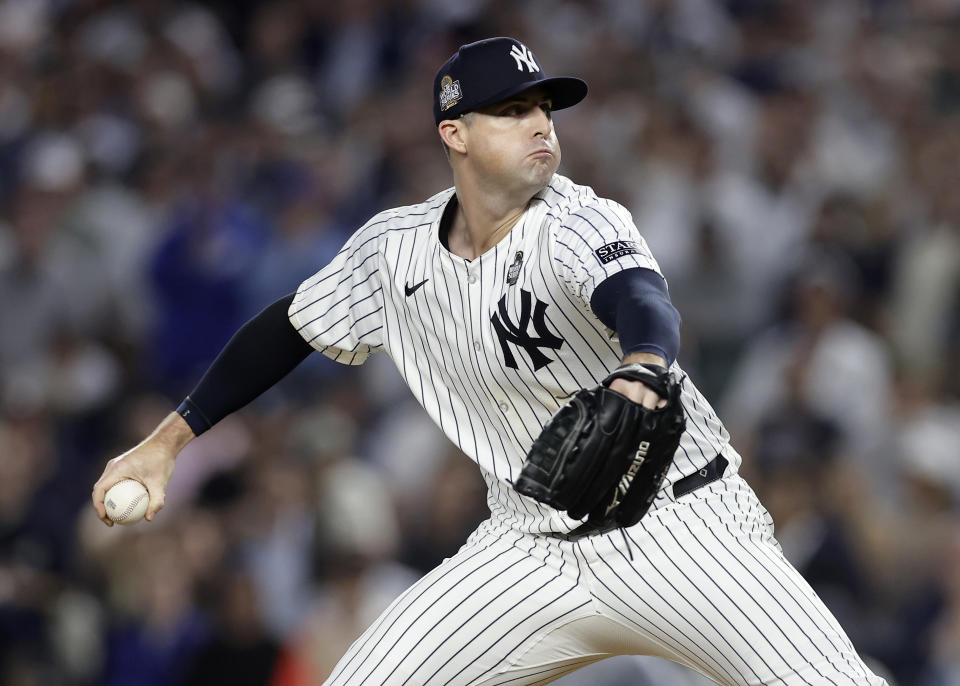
<point>519,109</point>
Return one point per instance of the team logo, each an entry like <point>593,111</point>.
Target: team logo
<point>508,332</point>
<point>522,56</point>
<point>450,93</point>
<point>616,250</point>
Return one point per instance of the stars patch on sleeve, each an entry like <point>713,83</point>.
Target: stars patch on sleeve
<point>617,249</point>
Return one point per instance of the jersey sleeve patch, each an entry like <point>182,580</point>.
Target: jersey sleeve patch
<point>616,250</point>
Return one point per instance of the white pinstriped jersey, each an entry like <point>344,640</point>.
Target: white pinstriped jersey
<point>493,347</point>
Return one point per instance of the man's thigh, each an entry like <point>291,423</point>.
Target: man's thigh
<point>474,618</point>
<point>706,580</point>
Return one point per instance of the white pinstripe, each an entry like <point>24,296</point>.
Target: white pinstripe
<point>702,584</point>
<point>512,606</point>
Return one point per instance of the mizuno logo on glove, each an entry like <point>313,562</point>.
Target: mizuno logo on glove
<point>627,478</point>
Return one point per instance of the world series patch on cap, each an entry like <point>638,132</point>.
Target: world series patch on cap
<point>492,70</point>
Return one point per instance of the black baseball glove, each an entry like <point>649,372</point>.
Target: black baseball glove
<point>604,455</point>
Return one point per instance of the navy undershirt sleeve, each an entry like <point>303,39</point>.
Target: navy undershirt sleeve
<point>635,303</point>
<point>263,351</point>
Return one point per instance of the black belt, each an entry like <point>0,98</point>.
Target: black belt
<point>713,470</point>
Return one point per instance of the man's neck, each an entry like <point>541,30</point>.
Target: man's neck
<point>483,220</point>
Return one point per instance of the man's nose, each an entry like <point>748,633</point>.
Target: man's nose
<point>540,121</point>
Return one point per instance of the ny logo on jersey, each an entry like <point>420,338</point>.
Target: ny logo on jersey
<point>522,56</point>
<point>508,332</point>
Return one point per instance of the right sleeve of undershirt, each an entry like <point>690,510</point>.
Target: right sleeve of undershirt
<point>339,310</point>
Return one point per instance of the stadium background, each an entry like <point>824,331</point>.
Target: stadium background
<point>167,169</point>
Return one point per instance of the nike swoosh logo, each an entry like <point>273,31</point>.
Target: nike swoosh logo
<point>410,290</point>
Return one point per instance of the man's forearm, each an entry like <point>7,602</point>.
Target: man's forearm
<point>262,352</point>
<point>635,303</point>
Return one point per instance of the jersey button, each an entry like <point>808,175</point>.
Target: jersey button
<point>476,345</point>
<point>472,278</point>
<point>504,407</point>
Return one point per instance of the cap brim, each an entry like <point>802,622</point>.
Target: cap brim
<point>563,91</point>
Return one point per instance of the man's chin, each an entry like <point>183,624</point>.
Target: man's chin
<point>536,185</point>
<point>542,173</point>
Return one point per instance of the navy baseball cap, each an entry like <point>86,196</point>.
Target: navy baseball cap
<point>494,69</point>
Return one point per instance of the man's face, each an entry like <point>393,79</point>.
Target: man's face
<point>513,143</point>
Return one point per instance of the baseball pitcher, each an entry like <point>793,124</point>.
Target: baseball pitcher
<point>533,324</point>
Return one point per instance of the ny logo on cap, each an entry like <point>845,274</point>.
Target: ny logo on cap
<point>522,55</point>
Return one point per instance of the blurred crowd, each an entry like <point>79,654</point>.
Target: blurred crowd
<point>168,169</point>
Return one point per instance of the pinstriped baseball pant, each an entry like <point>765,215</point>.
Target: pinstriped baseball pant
<point>701,582</point>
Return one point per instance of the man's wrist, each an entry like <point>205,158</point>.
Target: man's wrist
<point>173,432</point>
<point>644,358</point>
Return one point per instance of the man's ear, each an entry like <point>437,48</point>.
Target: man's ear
<point>452,133</point>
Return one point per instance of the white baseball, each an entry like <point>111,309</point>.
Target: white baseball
<point>126,502</point>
